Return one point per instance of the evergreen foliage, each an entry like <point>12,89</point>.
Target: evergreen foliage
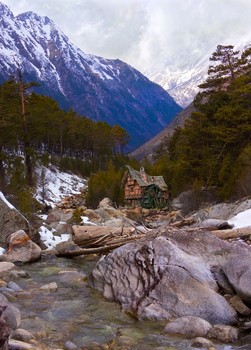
<point>108,182</point>
<point>33,127</point>
<point>230,65</point>
<point>213,147</point>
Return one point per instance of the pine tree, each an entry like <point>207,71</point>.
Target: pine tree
<point>228,65</point>
<point>23,89</point>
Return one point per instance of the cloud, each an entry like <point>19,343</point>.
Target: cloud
<point>180,32</point>
<point>148,34</point>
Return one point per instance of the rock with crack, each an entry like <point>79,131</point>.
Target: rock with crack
<point>168,275</point>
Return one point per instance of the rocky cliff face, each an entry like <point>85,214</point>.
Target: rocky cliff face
<point>99,88</point>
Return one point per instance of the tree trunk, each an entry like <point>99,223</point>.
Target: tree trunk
<point>233,233</point>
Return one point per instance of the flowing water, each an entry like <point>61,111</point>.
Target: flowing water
<point>80,314</point>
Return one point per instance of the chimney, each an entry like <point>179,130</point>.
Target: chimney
<point>143,174</point>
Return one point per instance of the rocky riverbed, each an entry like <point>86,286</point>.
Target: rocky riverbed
<point>174,288</point>
<point>59,310</point>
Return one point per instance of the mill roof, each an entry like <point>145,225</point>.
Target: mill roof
<point>147,180</point>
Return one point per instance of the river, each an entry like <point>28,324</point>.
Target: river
<point>78,313</point>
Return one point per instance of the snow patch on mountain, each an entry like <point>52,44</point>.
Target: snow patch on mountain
<point>182,82</point>
<point>53,185</point>
<point>40,37</point>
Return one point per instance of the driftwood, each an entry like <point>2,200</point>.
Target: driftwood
<point>70,249</point>
<point>233,233</point>
<point>96,239</point>
<point>98,235</point>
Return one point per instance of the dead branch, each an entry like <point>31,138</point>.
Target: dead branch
<point>87,235</point>
<point>233,233</point>
<point>71,249</point>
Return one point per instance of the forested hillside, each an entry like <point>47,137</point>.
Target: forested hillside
<point>213,149</point>
<point>33,128</point>
<point>211,152</point>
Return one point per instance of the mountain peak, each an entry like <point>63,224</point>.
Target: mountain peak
<point>32,16</point>
<point>101,89</point>
<point>5,11</point>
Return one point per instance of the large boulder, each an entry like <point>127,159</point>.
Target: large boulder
<point>9,313</point>
<point>190,325</point>
<point>169,274</point>
<point>4,330</point>
<point>57,215</point>
<point>22,248</point>
<point>11,220</point>
<point>222,211</point>
<point>238,271</point>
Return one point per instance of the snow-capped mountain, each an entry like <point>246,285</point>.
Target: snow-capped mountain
<point>182,85</point>
<point>182,82</point>
<point>99,88</point>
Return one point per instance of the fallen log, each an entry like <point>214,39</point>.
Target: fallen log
<point>90,235</point>
<point>70,249</point>
<point>233,233</point>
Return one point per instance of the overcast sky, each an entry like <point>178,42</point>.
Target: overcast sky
<point>148,34</point>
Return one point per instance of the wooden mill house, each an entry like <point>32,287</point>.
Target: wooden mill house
<point>144,190</point>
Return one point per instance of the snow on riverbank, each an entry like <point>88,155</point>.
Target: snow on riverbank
<point>48,238</point>
<point>55,185</point>
<point>242,219</point>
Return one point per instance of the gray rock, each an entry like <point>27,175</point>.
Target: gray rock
<point>20,345</point>
<point>106,203</point>
<point>57,215</point>
<point>50,287</point>
<point>4,331</point>
<point>70,277</point>
<point>114,222</point>
<point>222,211</point>
<point>3,299</point>
<point>239,306</point>
<point>189,325</point>
<point>22,334</point>
<point>171,297</point>
<point>14,286</point>
<point>226,334</point>
<point>16,274</point>
<point>167,275</point>
<point>200,342</point>
<point>22,248</point>
<point>70,346</point>
<point>241,206</point>
<point>7,290</point>
<point>61,228</point>
<point>11,315</point>
<point>5,266</point>
<point>238,271</point>
<point>222,280</point>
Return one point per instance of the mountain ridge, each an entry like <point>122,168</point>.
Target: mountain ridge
<point>182,82</point>
<point>147,149</point>
<point>101,89</point>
